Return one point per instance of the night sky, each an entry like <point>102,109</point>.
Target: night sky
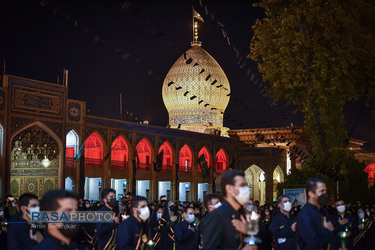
<point>112,47</point>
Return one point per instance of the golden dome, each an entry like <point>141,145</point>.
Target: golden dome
<point>189,76</point>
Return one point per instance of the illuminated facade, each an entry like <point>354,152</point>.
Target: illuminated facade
<point>198,80</point>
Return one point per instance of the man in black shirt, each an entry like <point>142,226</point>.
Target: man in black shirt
<point>284,226</point>
<point>219,232</point>
<point>313,228</point>
<point>59,235</point>
<point>185,234</point>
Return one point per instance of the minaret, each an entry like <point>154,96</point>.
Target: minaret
<point>198,17</point>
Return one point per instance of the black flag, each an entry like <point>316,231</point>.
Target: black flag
<point>177,180</point>
<point>203,165</point>
<point>159,161</point>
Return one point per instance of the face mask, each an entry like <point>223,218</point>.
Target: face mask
<point>271,208</point>
<point>191,205</point>
<point>1,213</point>
<point>323,199</point>
<point>266,212</point>
<point>287,206</point>
<point>87,205</point>
<point>243,196</point>
<point>361,215</point>
<point>217,205</point>
<point>144,213</point>
<point>13,204</point>
<point>32,210</point>
<point>249,208</point>
<point>368,213</point>
<point>112,202</point>
<point>159,215</point>
<point>341,208</point>
<point>190,218</point>
<point>69,229</point>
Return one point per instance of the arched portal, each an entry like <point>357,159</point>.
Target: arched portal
<point>278,177</point>
<point>221,161</point>
<point>204,151</point>
<point>69,184</point>
<point>72,144</point>
<point>185,159</point>
<point>144,155</point>
<point>255,178</point>
<point>94,151</point>
<point>36,156</point>
<point>167,156</point>
<point>119,153</point>
<point>370,170</point>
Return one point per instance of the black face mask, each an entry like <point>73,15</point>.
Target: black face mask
<point>112,202</point>
<point>69,229</point>
<point>323,199</point>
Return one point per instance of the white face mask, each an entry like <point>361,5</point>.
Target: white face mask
<point>341,208</point>
<point>144,213</point>
<point>249,208</point>
<point>13,204</point>
<point>33,210</point>
<point>87,205</point>
<point>361,215</point>
<point>1,213</point>
<point>368,213</point>
<point>287,206</point>
<point>266,212</point>
<point>159,215</point>
<point>190,218</point>
<point>243,195</point>
<point>217,205</point>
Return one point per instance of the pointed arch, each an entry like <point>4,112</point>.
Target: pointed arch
<point>94,149</point>
<point>72,144</point>
<point>167,156</point>
<point>119,153</point>
<point>1,140</point>
<point>207,156</point>
<point>255,178</point>
<point>144,152</point>
<point>185,158</point>
<point>277,177</point>
<point>221,160</point>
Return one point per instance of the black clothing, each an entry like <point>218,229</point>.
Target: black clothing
<point>185,238</point>
<point>105,232</point>
<point>310,231</point>
<point>282,231</point>
<point>351,226</point>
<point>129,233</point>
<point>219,232</point>
<point>19,234</point>
<point>50,242</point>
<point>366,237</point>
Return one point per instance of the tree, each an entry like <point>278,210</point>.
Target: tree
<point>318,55</point>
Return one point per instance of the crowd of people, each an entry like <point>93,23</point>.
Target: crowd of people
<point>218,223</point>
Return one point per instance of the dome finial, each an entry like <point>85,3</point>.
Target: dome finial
<point>198,17</point>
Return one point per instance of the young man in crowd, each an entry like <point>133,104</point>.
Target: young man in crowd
<point>106,232</point>
<point>59,235</point>
<point>313,228</point>
<point>219,232</point>
<point>283,226</point>
<point>133,232</point>
<point>20,235</point>
<point>186,234</point>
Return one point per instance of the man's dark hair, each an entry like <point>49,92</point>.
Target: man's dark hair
<point>129,193</point>
<point>281,198</point>
<point>185,209</point>
<point>25,199</point>
<point>207,198</point>
<point>49,201</point>
<point>106,191</point>
<point>312,183</point>
<point>228,178</point>
<point>339,199</point>
<point>135,201</point>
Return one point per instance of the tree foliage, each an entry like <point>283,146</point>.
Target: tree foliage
<point>318,55</point>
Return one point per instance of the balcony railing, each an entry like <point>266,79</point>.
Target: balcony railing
<point>119,164</point>
<point>185,169</point>
<point>69,162</point>
<point>144,166</point>
<point>166,168</point>
<point>93,163</point>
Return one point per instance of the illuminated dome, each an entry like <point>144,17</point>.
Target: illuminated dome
<point>202,77</point>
